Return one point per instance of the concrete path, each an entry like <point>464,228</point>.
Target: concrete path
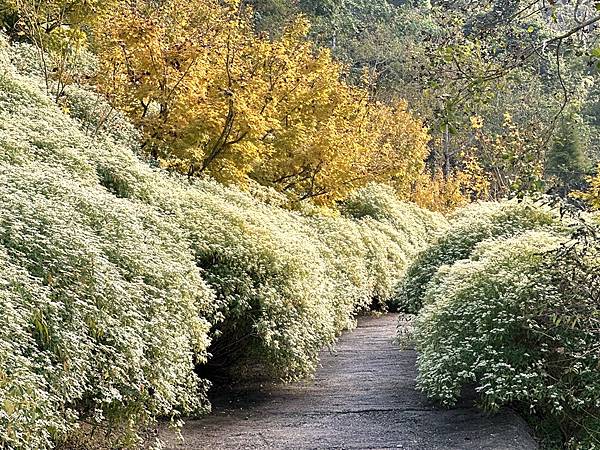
<point>363,397</point>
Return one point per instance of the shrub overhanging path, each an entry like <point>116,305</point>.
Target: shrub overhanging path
<point>363,397</point>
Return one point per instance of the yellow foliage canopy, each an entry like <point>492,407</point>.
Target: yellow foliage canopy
<point>213,97</point>
<point>592,195</point>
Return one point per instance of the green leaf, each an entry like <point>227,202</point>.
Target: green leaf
<point>9,407</point>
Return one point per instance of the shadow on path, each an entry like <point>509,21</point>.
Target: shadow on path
<point>363,397</point>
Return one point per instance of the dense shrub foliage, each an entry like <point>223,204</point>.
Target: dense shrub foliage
<point>117,279</point>
<point>469,226</point>
<point>103,306</point>
<point>516,317</point>
<point>380,203</point>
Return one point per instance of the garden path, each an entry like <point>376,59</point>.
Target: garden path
<point>362,397</point>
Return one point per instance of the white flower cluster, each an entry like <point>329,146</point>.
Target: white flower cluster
<point>470,226</point>
<point>117,279</point>
<point>519,320</point>
<point>103,309</point>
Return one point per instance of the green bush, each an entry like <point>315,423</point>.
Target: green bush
<point>519,321</point>
<point>468,227</point>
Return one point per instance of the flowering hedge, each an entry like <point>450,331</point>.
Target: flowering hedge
<point>105,308</point>
<point>119,281</point>
<point>469,226</point>
<point>519,321</point>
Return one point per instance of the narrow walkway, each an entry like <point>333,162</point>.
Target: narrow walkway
<point>363,397</point>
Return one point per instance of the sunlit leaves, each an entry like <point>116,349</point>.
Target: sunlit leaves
<point>592,194</point>
<point>213,97</point>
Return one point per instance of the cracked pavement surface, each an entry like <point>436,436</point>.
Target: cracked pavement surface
<point>362,397</point>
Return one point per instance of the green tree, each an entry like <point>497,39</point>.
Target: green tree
<point>566,161</point>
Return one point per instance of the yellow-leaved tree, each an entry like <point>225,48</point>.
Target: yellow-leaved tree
<point>211,96</point>
<point>57,28</point>
<point>592,194</point>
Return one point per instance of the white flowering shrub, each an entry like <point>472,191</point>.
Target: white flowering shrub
<point>119,281</point>
<point>365,259</point>
<point>345,257</point>
<point>279,307</point>
<point>519,321</point>
<point>469,226</point>
<point>395,232</point>
<point>379,202</point>
<point>289,283</point>
<point>104,308</point>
